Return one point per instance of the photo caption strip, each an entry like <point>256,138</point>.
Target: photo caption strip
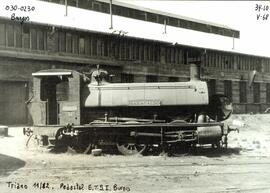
<point>262,11</point>
<point>68,187</point>
<point>20,12</point>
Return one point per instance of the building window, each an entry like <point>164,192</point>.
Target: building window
<point>161,19</point>
<point>2,34</point>
<point>151,78</point>
<point>73,3</point>
<point>213,60</point>
<point>127,78</point>
<point>185,56</point>
<point>151,17</point>
<point>18,36</point>
<point>26,36</point>
<point>172,55</point>
<point>62,89</point>
<point>173,79</point>
<point>173,21</point>
<point>268,92</point>
<point>41,39</point>
<point>137,56</point>
<point>87,45</point>
<point>141,52</point>
<point>228,88</point>
<point>96,6</point>
<point>100,47</point>
<point>106,47</point>
<point>75,44</point>
<point>242,92</point>
<point>180,56</point>
<point>168,55</point>
<point>127,50</point>
<point>145,56</point>
<point>105,8</point>
<point>69,42</point>
<point>115,49</point>
<point>82,45</point>
<point>62,42</point>
<point>137,14</point>
<point>10,35</point>
<point>256,92</point>
<point>33,39</point>
<point>133,50</point>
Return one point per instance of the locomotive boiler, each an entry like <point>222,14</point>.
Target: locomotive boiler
<point>70,109</point>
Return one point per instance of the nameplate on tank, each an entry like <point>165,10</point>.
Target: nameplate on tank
<point>69,108</point>
<point>144,103</point>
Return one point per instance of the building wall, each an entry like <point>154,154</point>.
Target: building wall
<point>30,47</point>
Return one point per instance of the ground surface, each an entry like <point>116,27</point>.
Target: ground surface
<point>244,167</point>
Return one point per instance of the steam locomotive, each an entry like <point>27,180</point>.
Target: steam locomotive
<point>84,112</point>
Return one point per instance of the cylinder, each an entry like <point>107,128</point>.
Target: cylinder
<point>209,135</point>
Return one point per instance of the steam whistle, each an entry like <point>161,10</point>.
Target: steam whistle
<point>98,76</point>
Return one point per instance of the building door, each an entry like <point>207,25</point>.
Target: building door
<point>49,94</point>
<point>13,110</point>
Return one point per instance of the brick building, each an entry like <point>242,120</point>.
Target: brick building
<point>32,46</point>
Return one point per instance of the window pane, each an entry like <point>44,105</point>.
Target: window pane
<point>10,35</point>
<point>2,34</point>
<point>173,21</point>
<point>243,92</point>
<point>18,36</point>
<point>173,79</point>
<point>256,92</point>
<point>115,49</point>
<point>151,17</point>
<point>69,42</point>
<point>40,40</point>
<point>94,46</point>
<point>33,39</point>
<point>26,36</point>
<point>62,90</point>
<point>82,45</point>
<point>87,45</point>
<point>106,47</point>
<point>75,45</point>
<point>127,78</point>
<point>151,78</point>
<point>268,92</point>
<point>62,41</point>
<point>73,3</point>
<point>228,88</point>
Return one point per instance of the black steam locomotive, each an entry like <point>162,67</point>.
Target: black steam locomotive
<point>71,109</point>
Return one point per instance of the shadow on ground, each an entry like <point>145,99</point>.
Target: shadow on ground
<point>198,151</point>
<point>210,152</point>
<point>1,136</point>
<point>9,164</point>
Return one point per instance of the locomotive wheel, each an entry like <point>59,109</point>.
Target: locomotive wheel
<point>80,149</point>
<point>131,148</point>
<point>179,150</point>
<point>88,148</point>
<point>77,146</point>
